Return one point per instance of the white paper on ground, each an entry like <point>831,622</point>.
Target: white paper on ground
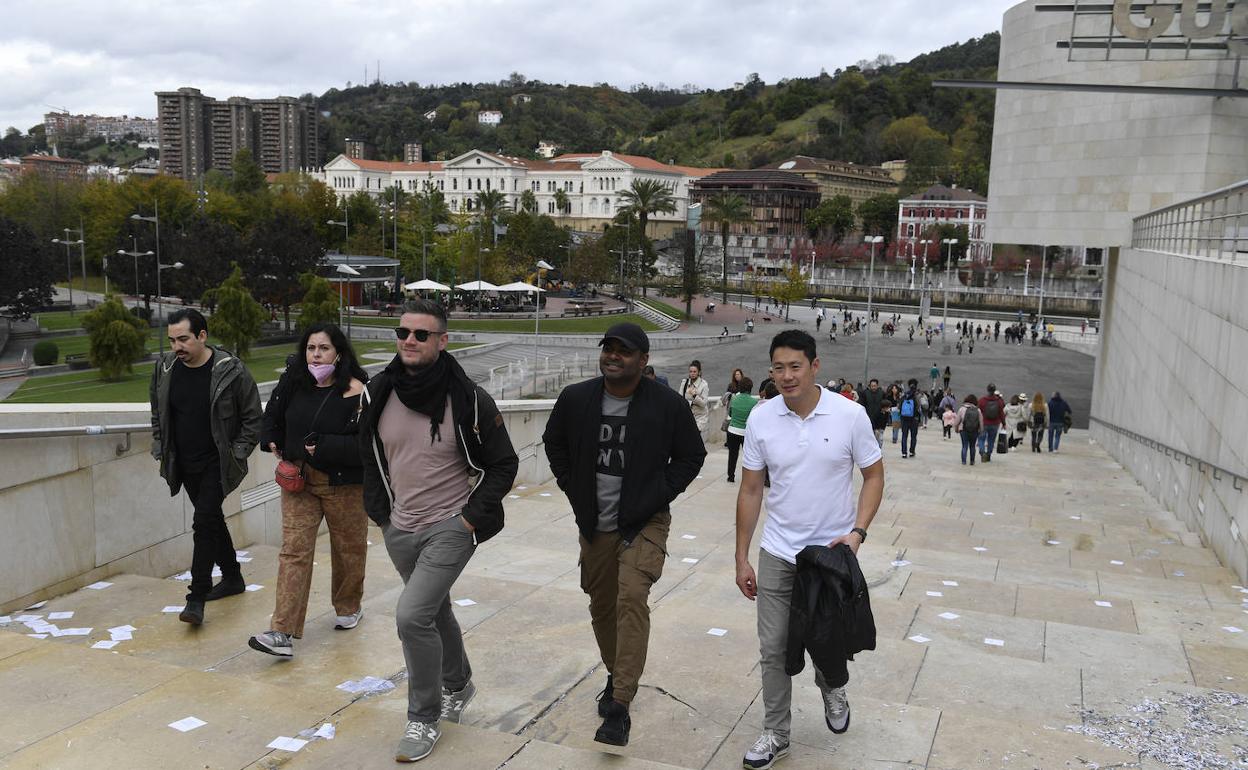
<point>953,583</point>
<point>106,645</point>
<point>521,487</point>
<point>254,587</point>
<point>994,642</point>
<point>27,618</point>
<point>543,494</point>
<point>934,593</point>
<point>100,586</point>
<point>1053,542</point>
<point>60,615</point>
<point>717,631</point>
<point>989,513</point>
<point>949,616</point>
<point>287,744</point>
<point>688,537</point>
<point>39,605</point>
<point>1116,563</point>
<point>1076,518</point>
<point>980,548</point>
<point>115,629</point>
<point>1232,630</point>
<point>242,553</point>
<point>38,636</point>
<point>187,724</point>
<point>1103,604</point>
<point>5,619</point>
<point>464,602</point>
<point>326,731</point>
<point>690,561</point>
<point>513,497</point>
<point>901,563</point>
<point>172,608</point>
<point>243,559</point>
<point>1177,573</point>
<point>75,632</point>
<point>920,638</point>
<point>121,636</point>
<point>367,684</point>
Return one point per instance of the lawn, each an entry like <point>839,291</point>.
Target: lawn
<point>95,283</point>
<point>659,306</point>
<point>588,325</point>
<point>61,320</point>
<point>265,364</point>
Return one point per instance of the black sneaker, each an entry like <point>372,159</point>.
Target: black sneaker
<point>606,697</point>
<point>615,725</point>
<point>193,613</point>
<point>227,587</point>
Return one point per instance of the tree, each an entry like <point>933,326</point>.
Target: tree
<point>903,136</point>
<point>561,201</point>
<point>319,304</point>
<point>117,338</point>
<point>283,248</point>
<point>648,196</point>
<point>528,201</point>
<point>205,247</point>
<point>28,263</point>
<point>943,232</point>
<point>833,217</point>
<point>247,176</point>
<point>726,209</point>
<point>490,205</point>
<point>795,285</point>
<point>238,317</point>
<point>878,215</point>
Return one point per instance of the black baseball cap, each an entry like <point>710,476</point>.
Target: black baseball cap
<point>630,334</point>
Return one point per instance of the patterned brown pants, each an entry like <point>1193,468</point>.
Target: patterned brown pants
<point>342,508</point>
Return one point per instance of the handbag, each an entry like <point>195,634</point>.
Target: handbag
<point>288,475</point>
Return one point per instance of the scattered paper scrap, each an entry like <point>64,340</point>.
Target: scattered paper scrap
<point>934,593</point>
<point>242,553</point>
<point>254,587</point>
<point>186,724</point>
<point>521,487</point>
<point>1232,630</point>
<point>283,743</point>
<point>99,586</point>
<point>952,583</point>
<point>989,513</point>
<point>60,615</point>
<point>27,618</point>
<point>920,638</point>
<point>1103,604</point>
<point>901,563</point>
<point>464,602</point>
<point>688,537</point>
<point>1177,573</point>
<point>980,548</point>
<point>38,605</point>
<point>1116,563</point>
<point>116,629</point>
<point>688,560</point>
<point>994,642</point>
<point>326,731</point>
<point>74,632</point>
<point>1053,542</point>
<point>513,497</point>
<point>121,636</point>
<point>5,620</point>
<point>106,645</point>
<point>1076,518</point>
<point>38,636</point>
<point>543,494</point>
<point>243,559</point>
<point>717,631</point>
<point>172,608</point>
<point>368,684</point>
<point>949,616</point>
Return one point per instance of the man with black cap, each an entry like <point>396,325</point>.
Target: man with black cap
<point>622,447</point>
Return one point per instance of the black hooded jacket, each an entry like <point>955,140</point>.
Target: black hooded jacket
<point>480,436</point>
<point>829,611</point>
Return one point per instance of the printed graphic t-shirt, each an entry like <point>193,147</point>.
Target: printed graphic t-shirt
<point>610,470</point>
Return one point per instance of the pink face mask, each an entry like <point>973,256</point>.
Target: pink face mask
<point>322,372</point>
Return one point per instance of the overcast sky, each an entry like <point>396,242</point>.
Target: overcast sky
<point>109,57</point>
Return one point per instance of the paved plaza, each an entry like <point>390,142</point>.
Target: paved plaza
<point>1015,603</point>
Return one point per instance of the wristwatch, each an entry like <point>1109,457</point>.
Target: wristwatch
<point>862,533</point>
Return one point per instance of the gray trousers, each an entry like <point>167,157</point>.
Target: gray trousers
<point>775,588</point>
<point>429,562</point>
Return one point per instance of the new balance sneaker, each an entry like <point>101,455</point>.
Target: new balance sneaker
<point>615,725</point>
<point>836,710</point>
<point>766,751</point>
<point>454,703</point>
<point>605,697</point>
<point>417,741</point>
<point>347,622</point>
<point>273,643</point>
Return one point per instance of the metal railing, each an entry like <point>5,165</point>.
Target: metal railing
<point>80,431</point>
<point>1203,467</point>
<point>517,379</point>
<point>1213,226</point>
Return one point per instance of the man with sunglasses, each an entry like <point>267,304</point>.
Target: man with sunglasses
<point>437,464</point>
<point>622,447</point>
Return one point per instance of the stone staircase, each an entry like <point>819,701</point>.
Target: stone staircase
<point>1038,612</point>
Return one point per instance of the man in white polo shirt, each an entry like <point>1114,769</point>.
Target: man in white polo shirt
<point>810,440</point>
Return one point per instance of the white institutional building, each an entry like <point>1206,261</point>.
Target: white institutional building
<point>592,182</point>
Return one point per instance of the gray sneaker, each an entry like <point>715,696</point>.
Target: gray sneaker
<point>836,710</point>
<point>348,622</point>
<point>273,643</point>
<point>417,741</point>
<point>454,703</point>
<point>766,751</point>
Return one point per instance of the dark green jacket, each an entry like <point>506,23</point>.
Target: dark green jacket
<point>235,418</point>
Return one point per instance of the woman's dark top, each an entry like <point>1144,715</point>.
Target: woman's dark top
<point>288,419</point>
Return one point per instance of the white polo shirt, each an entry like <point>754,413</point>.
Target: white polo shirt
<point>812,463</point>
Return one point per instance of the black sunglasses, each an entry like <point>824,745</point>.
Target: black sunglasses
<point>421,334</point>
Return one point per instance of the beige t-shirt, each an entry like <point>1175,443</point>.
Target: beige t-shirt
<point>429,478</point>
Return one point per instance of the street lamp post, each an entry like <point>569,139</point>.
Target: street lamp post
<point>155,219</point>
<point>948,258</point>
<point>537,313</point>
<point>159,302</point>
<point>1040,308</point>
<point>923,282</point>
<point>69,270</point>
<point>480,251</point>
<point>866,360</point>
<point>136,254</point>
<point>1026,274</point>
<point>345,224</point>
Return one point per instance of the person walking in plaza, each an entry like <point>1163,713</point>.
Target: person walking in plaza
<point>948,418</point>
<point>739,408</point>
<point>909,411</point>
<point>205,424</point>
<point>872,399</point>
<point>311,419</point>
<point>1016,420</point>
<point>437,464</point>
<point>697,391</point>
<point>811,442</point>
<point>621,450</point>
<point>967,424</point>
<point>992,414</point>
<point>948,375</point>
<point>1039,419</point>
<point>933,374</point>
<point>1059,415</point>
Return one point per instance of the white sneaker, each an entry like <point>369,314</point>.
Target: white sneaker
<point>347,622</point>
<point>766,751</point>
<point>836,710</point>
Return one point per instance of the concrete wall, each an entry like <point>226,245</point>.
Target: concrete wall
<point>75,510</point>
<point>1173,367</point>
<point>1076,168</point>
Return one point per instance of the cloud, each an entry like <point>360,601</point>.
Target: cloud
<point>113,57</point>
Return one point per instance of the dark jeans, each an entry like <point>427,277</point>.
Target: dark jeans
<point>211,538</point>
<point>734,443</point>
<point>968,445</point>
<point>1055,437</point>
<point>909,427</point>
<point>988,441</point>
<point>1036,435</point>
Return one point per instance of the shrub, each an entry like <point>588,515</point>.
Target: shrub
<point>45,353</point>
<point>117,338</point>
